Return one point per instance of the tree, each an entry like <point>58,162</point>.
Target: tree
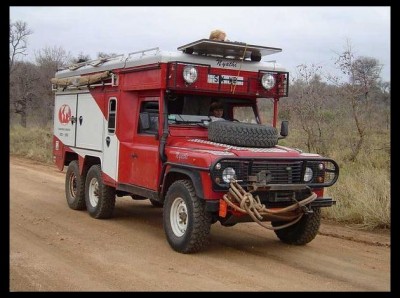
<point>106,55</point>
<point>366,72</point>
<point>48,61</point>
<point>363,74</point>
<point>19,33</point>
<point>81,58</point>
<point>52,58</point>
<point>309,106</point>
<point>24,90</point>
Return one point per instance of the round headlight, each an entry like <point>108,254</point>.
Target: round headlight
<point>228,174</point>
<point>268,81</point>
<point>308,175</point>
<point>190,74</point>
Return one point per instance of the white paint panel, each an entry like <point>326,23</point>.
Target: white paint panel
<point>224,79</point>
<point>90,121</point>
<point>64,113</point>
<point>111,146</point>
<point>110,161</point>
<point>85,152</point>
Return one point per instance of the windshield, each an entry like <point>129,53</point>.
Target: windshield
<point>196,109</point>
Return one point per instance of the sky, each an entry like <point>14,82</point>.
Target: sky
<point>307,35</point>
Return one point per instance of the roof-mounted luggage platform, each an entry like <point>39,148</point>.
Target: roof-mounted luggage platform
<point>228,49</point>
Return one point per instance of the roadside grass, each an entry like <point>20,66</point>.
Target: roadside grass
<point>362,192</point>
<point>34,143</point>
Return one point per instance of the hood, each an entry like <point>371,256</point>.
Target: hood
<point>218,149</point>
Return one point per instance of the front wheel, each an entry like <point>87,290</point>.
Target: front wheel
<point>100,198</point>
<point>302,232</point>
<point>186,223</point>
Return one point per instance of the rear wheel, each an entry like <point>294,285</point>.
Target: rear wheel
<point>100,198</point>
<point>186,223</point>
<point>302,232</point>
<point>75,187</point>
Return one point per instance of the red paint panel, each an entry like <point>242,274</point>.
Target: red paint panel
<point>142,80</point>
<point>99,98</point>
<point>127,104</point>
<point>108,180</point>
<point>59,153</point>
<point>319,192</point>
<point>125,162</point>
<point>250,86</point>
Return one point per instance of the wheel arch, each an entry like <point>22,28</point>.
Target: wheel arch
<point>176,173</point>
<point>86,162</point>
<point>70,156</point>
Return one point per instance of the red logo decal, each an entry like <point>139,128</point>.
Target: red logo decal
<point>64,114</point>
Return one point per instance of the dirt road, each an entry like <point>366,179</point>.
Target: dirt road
<point>54,248</point>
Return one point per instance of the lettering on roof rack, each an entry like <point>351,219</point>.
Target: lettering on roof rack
<point>222,63</point>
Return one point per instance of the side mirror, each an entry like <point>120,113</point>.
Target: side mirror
<point>284,129</point>
<point>144,119</point>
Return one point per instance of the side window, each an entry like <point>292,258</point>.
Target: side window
<point>148,120</point>
<point>112,113</point>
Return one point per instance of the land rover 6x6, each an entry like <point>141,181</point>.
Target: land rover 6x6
<point>139,125</point>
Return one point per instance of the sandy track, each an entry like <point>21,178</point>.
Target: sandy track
<point>54,248</point>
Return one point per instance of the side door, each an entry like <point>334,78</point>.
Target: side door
<point>65,118</point>
<point>110,140</point>
<point>89,123</point>
<point>145,156</point>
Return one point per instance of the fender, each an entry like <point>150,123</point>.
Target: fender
<point>193,174</point>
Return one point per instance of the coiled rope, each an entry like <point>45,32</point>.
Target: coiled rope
<point>253,207</point>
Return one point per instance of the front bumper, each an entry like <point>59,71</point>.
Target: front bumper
<point>213,205</point>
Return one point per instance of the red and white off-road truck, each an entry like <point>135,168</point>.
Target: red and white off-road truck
<point>139,125</point>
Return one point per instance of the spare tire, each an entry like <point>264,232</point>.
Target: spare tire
<point>243,134</point>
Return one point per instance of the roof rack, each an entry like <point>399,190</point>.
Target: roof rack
<point>93,62</point>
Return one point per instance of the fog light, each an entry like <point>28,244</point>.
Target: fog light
<point>308,175</point>
<point>228,174</point>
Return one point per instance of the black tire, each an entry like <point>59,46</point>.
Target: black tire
<point>100,198</point>
<point>255,56</point>
<point>302,232</point>
<point>186,223</point>
<point>242,134</point>
<point>75,187</point>
<point>156,204</point>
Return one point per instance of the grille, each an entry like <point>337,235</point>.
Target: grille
<point>280,172</point>
<point>325,172</point>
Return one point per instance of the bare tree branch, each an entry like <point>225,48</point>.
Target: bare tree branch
<point>19,32</point>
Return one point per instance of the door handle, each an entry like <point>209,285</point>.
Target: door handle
<point>133,155</point>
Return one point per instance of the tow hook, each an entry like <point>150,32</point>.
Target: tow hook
<point>306,210</point>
